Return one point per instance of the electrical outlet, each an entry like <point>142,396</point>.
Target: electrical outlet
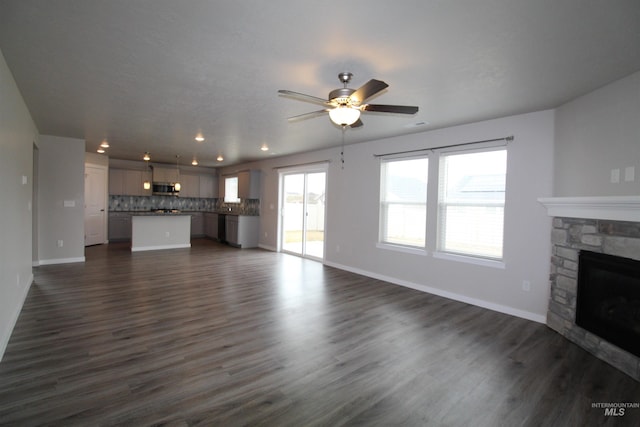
<point>167,234</point>
<point>60,243</point>
<point>615,176</point>
<point>526,285</point>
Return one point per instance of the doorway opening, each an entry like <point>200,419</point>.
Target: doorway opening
<point>302,211</point>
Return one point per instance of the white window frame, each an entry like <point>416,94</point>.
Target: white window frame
<point>231,198</point>
<point>472,258</point>
<point>384,244</point>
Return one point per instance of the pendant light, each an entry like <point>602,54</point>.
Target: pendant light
<point>147,184</point>
<point>177,185</point>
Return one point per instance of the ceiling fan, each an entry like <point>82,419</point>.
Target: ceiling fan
<point>344,105</point>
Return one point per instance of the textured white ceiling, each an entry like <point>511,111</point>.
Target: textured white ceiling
<point>148,75</point>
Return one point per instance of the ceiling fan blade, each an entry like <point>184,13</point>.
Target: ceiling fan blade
<point>303,97</point>
<point>367,90</point>
<point>357,124</point>
<point>307,115</point>
<point>400,109</point>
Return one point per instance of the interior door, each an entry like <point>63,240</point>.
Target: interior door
<point>302,213</point>
<point>95,212</point>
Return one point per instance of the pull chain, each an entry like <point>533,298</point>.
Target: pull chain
<point>342,148</point>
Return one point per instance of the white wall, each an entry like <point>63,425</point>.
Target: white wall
<point>17,137</point>
<point>352,216</point>
<point>60,180</point>
<point>596,133</point>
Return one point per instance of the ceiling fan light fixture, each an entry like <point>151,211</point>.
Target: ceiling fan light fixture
<point>344,115</point>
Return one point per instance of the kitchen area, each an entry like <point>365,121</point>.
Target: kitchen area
<point>163,207</point>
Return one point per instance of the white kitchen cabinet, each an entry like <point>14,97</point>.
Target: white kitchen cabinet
<point>208,186</point>
<point>242,230</point>
<point>116,182</point>
<point>211,225</point>
<point>133,183</point>
<point>197,224</point>
<point>249,184</point>
<point>124,182</point>
<point>190,185</point>
<point>166,175</point>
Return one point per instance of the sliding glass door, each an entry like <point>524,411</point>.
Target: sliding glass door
<point>302,212</point>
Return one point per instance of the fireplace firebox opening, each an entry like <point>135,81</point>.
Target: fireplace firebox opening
<point>608,298</point>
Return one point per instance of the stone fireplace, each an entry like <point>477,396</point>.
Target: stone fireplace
<point>601,225</point>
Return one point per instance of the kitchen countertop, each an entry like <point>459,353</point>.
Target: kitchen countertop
<point>177,212</point>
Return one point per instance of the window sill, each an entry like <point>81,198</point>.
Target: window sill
<point>404,249</point>
<point>470,260</point>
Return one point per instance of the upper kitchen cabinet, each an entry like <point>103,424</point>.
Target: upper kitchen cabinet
<point>167,175</point>
<point>124,182</point>
<point>197,185</point>
<point>190,185</point>
<point>249,184</point>
<point>208,186</point>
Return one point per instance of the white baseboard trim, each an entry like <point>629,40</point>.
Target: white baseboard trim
<point>60,261</point>
<point>6,334</point>
<point>155,248</point>
<point>267,248</point>
<point>435,291</point>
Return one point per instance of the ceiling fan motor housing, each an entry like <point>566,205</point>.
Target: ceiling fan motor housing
<point>341,95</point>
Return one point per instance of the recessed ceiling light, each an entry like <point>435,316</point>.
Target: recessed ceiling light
<point>199,137</point>
<point>104,144</point>
<point>220,158</point>
<point>264,147</point>
<point>101,150</point>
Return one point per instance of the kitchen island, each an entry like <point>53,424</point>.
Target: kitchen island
<point>160,230</point>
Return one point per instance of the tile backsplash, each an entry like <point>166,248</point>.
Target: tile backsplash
<point>195,204</point>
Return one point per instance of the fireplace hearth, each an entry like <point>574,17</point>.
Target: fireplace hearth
<point>608,300</point>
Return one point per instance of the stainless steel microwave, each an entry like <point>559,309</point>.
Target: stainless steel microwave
<point>164,189</point>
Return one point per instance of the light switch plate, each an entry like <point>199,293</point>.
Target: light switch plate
<point>630,174</point>
<point>615,176</point>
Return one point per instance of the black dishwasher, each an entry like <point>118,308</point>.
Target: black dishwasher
<point>222,228</point>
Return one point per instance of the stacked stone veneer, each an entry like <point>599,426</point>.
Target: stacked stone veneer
<point>569,236</point>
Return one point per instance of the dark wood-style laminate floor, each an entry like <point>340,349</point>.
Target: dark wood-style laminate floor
<point>213,335</point>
